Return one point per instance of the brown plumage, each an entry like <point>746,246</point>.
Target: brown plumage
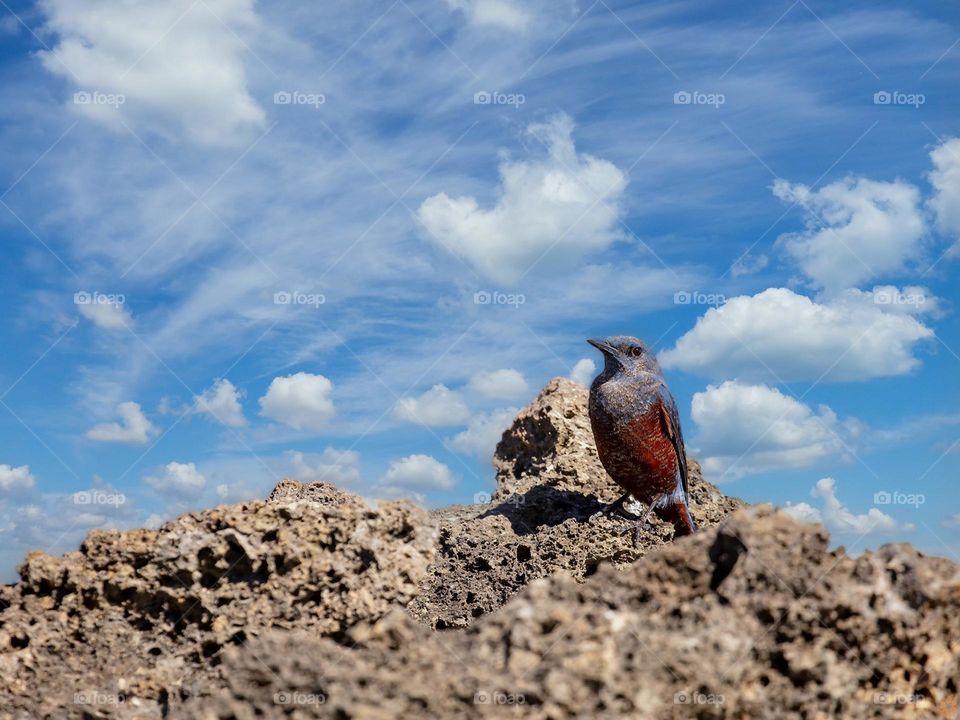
<point>636,427</point>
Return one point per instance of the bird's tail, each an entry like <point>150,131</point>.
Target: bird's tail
<point>674,509</point>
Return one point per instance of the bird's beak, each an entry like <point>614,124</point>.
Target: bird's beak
<point>600,345</point>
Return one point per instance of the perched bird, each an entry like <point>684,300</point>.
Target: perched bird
<point>637,430</point>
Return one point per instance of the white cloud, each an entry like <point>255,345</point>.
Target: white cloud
<point>419,472</point>
<point>837,518</point>
<point>584,371</point>
<point>15,479</point>
<point>505,384</point>
<point>221,401</point>
<point>953,521</point>
<point>339,467</point>
<point>177,64</point>
<point>543,206</point>
<point>178,479</point>
<point>857,230</point>
<point>945,179</point>
<point>483,433</point>
<point>438,406</point>
<point>506,14</point>
<point>778,334</point>
<point>133,429</point>
<point>301,401</point>
<point>745,429</point>
<point>106,315</point>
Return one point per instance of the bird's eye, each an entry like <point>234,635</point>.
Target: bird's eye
<point>636,351</point>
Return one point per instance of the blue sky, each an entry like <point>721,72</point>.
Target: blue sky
<point>244,241</point>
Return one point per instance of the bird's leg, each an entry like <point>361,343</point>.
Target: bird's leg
<point>612,508</point>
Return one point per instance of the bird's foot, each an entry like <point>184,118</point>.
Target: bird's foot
<point>614,508</point>
<point>638,524</point>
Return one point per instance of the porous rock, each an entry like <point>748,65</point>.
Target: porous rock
<point>549,483</point>
<point>794,630</point>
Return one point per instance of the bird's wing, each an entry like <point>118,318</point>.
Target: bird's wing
<point>670,421</point>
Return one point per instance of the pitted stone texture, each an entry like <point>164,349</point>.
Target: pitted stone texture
<point>143,615</point>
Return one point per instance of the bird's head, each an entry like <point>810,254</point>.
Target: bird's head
<point>625,353</point>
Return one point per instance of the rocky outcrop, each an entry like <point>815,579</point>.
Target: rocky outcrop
<point>754,618</point>
<point>134,622</point>
<point>549,483</point>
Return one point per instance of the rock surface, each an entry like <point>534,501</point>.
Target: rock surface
<point>135,621</point>
<point>793,631</point>
<point>549,483</point>
<point>312,604</point>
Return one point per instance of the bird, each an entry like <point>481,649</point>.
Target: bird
<point>637,431</point>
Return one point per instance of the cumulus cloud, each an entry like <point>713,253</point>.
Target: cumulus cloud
<point>505,14</point>
<point>857,230</point>
<point>483,433</point>
<point>945,179</point>
<point>181,480</point>
<point>15,479</point>
<point>133,429</point>
<point>106,315</point>
<point>505,384</point>
<point>421,472</point>
<point>544,206</point>
<point>438,406</point>
<point>778,334</point>
<point>222,402</point>
<point>837,518</point>
<point>177,65</point>
<point>301,401</point>
<point>745,429</point>
<point>340,467</point>
<point>584,371</point>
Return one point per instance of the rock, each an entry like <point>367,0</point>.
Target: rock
<point>136,621</point>
<point>549,483</point>
<point>795,631</point>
